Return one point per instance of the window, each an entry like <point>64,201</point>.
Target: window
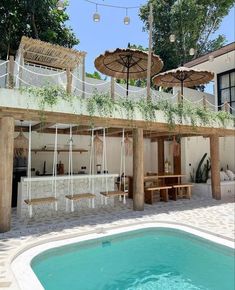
<point>226,89</point>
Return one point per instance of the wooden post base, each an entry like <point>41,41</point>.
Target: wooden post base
<point>6,161</point>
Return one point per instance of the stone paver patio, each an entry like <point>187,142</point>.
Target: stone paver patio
<point>215,217</point>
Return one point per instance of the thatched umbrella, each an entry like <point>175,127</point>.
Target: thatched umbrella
<point>127,64</point>
<point>183,77</point>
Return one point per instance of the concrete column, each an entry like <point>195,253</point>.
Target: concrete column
<point>215,167</point>
<point>6,169</point>
<point>138,169</point>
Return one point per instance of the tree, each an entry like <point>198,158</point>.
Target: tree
<point>95,75</point>
<point>33,18</point>
<point>192,21</point>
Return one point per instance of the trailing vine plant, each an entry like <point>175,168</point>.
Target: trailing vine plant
<point>103,105</point>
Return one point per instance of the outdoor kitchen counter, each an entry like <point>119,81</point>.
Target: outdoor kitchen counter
<point>41,186</point>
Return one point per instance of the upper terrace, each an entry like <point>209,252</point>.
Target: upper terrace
<point>55,77</point>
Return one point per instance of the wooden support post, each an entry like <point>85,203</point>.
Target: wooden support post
<point>204,102</point>
<point>138,169</point>
<point>112,88</point>
<point>215,167</point>
<point>10,80</point>
<point>6,160</point>
<point>226,107</point>
<point>149,66</point>
<point>83,77</point>
<point>69,81</point>
<point>160,154</point>
<point>179,98</point>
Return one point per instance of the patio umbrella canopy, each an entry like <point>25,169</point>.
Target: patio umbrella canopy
<point>183,77</point>
<point>127,64</point>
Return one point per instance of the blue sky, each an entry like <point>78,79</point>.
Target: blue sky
<point>111,33</point>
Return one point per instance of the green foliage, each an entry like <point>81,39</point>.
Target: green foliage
<point>104,106</point>
<point>224,117</point>
<point>95,75</point>
<point>33,18</point>
<point>48,96</point>
<point>126,105</point>
<point>192,21</point>
<point>101,103</point>
<point>147,109</point>
<point>202,171</point>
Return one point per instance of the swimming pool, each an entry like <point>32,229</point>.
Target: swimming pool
<point>154,258</point>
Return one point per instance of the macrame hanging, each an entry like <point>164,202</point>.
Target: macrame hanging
<point>128,146</point>
<point>98,145</point>
<point>176,148</point>
<point>21,146</point>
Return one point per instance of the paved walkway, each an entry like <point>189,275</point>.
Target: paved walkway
<point>216,217</point>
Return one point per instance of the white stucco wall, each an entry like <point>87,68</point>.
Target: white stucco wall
<point>195,147</point>
<point>81,141</point>
<point>219,65</point>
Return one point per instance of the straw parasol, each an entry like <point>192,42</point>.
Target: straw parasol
<point>127,64</point>
<point>183,77</point>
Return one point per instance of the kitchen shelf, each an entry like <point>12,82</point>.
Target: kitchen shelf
<point>59,150</point>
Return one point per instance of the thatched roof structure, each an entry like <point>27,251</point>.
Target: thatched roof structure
<point>43,53</point>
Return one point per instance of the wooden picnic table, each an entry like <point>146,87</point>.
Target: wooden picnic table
<point>164,178</point>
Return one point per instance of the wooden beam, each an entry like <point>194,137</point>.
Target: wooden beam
<point>6,161</point>
<point>68,118</point>
<point>138,169</point>
<point>160,155</point>
<point>42,126</point>
<point>215,167</point>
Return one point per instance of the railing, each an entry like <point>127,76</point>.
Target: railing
<point>16,75</point>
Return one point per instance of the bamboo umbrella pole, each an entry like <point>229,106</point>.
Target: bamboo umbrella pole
<point>150,51</point>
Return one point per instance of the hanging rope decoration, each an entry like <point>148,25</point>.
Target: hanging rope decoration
<point>128,146</point>
<point>98,145</point>
<point>176,148</point>
<point>21,146</point>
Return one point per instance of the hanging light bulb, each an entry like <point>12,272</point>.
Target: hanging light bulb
<point>126,19</point>
<point>211,58</point>
<point>60,5</point>
<point>96,15</point>
<point>172,38</point>
<point>192,51</point>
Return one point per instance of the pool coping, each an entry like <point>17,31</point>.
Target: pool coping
<point>27,280</point>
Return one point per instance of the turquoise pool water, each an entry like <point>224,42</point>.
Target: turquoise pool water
<point>156,259</point>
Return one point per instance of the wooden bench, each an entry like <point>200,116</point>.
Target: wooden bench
<point>119,193</point>
<point>80,196</point>
<point>150,193</point>
<point>38,201</point>
<point>182,191</point>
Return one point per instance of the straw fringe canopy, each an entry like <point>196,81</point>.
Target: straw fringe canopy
<point>44,53</point>
<point>121,62</point>
<point>189,77</point>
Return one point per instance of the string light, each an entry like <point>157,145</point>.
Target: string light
<point>126,18</point>
<point>96,15</point>
<point>172,38</point>
<point>192,51</point>
<point>60,5</point>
